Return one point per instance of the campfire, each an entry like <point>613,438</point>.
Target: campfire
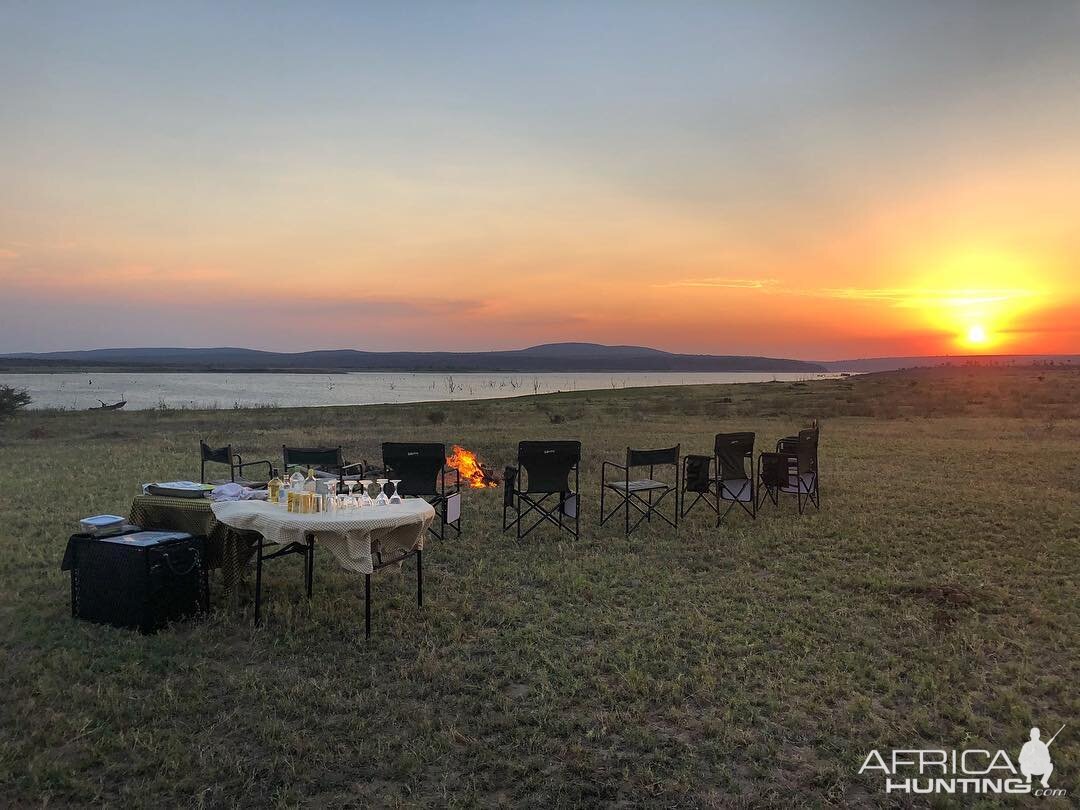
<point>473,473</point>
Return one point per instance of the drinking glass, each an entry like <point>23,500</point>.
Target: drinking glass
<point>381,499</point>
<point>365,496</point>
<point>396,497</point>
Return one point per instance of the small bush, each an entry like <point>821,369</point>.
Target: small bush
<point>436,417</point>
<point>12,400</point>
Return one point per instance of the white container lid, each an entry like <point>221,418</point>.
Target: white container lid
<point>101,521</point>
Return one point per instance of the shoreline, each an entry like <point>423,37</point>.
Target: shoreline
<point>371,388</point>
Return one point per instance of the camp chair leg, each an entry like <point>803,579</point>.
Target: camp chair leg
<point>367,606</point>
<point>419,578</point>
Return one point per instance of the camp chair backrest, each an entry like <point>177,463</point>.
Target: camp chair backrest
<point>649,458</point>
<point>773,469</point>
<point>220,455</point>
<point>417,464</point>
<point>697,476</point>
<point>807,450</point>
<point>327,459</point>
<point>548,464</point>
<point>732,451</point>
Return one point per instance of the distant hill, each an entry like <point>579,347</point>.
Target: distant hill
<point>548,357</point>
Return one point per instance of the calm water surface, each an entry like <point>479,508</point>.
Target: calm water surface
<point>226,390</point>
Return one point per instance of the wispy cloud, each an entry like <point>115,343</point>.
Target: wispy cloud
<point>916,297</point>
<point>5,253</point>
<point>894,296</point>
<point>728,283</point>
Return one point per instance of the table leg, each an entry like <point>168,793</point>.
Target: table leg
<point>419,577</point>
<point>258,580</point>
<point>367,606</point>
<point>309,566</point>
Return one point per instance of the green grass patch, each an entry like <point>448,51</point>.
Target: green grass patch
<point>931,602</point>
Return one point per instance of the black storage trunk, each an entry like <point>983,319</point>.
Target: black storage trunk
<point>137,579</point>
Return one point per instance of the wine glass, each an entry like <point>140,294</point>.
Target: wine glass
<point>365,495</point>
<point>382,500</point>
<point>396,497</point>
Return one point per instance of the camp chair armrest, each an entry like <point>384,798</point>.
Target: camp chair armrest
<point>456,486</point>
<point>362,465</point>
<point>241,464</point>
<point>604,467</point>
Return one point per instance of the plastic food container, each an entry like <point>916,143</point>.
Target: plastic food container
<point>101,524</point>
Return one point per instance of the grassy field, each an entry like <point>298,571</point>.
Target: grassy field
<point>932,602</point>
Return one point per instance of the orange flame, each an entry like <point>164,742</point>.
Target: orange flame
<point>466,463</point>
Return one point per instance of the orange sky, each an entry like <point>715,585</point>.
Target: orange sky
<point>901,183</point>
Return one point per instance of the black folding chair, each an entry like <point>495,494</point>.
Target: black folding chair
<point>236,464</point>
<point>791,470</point>
<point>327,462</point>
<point>421,466</point>
<point>640,492</point>
<point>543,471</point>
<point>732,484</point>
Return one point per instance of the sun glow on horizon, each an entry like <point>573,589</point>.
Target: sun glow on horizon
<point>976,335</point>
<point>977,296</point>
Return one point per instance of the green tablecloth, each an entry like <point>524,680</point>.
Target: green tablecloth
<point>226,548</point>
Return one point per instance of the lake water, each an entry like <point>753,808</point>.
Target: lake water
<point>228,390</point>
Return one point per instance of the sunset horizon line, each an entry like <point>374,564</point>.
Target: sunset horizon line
<point>988,356</point>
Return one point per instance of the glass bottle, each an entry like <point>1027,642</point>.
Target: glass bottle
<point>273,488</point>
<point>309,481</point>
<point>296,481</point>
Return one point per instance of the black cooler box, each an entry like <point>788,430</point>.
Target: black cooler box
<point>137,579</point>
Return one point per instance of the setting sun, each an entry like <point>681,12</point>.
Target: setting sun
<point>976,335</point>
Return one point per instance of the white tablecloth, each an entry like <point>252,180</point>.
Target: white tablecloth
<point>352,536</point>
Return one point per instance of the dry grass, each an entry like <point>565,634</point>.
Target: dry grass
<point>932,601</point>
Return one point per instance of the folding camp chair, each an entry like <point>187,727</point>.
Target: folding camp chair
<point>732,483</point>
<point>421,466</point>
<point>791,470</point>
<point>225,455</point>
<point>639,493</point>
<point>543,470</point>
<point>327,462</point>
